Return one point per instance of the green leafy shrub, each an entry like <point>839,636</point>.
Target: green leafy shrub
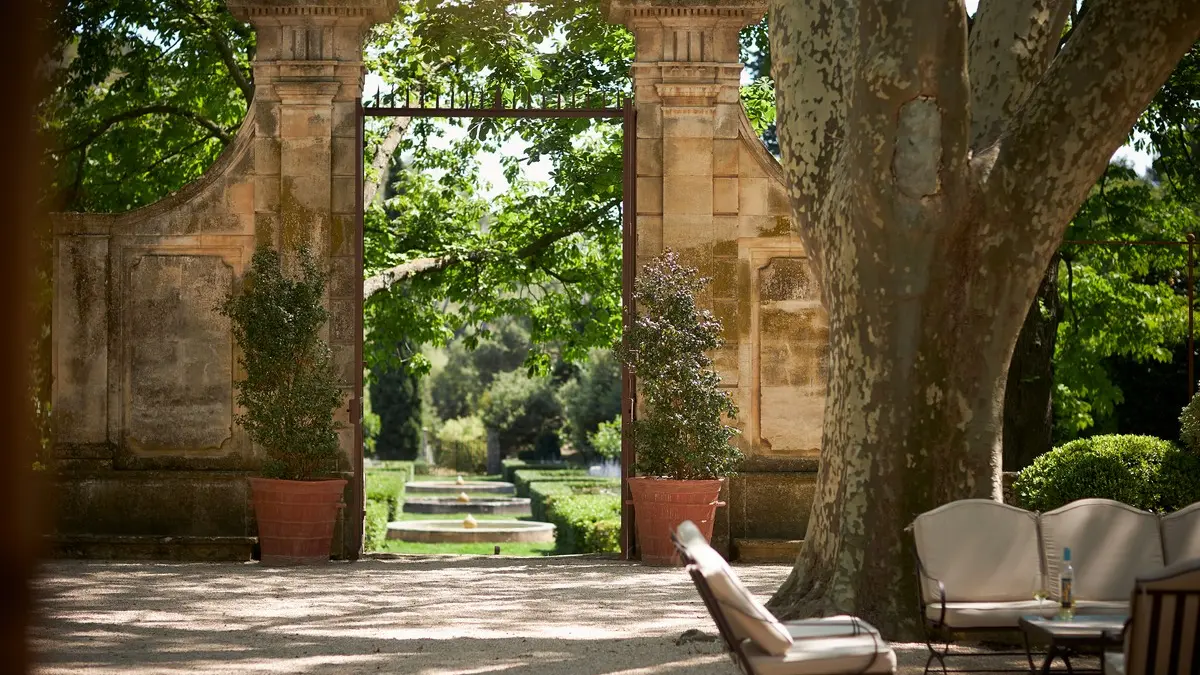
<point>290,390</point>
<point>395,396</point>
<point>523,477</point>
<point>683,434</point>
<point>462,445</point>
<point>406,470</point>
<point>586,523</point>
<point>1189,425</point>
<point>522,409</point>
<point>1141,471</point>
<point>375,525</point>
<point>607,439</point>
<point>386,487</point>
<point>542,494</point>
<point>592,398</point>
<point>420,468</point>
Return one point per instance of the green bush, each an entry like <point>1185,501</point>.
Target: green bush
<point>1141,471</point>
<point>375,525</point>
<point>1189,425</point>
<point>523,477</point>
<point>511,466</point>
<point>607,439</point>
<point>420,468</point>
<point>462,445</point>
<point>592,398</point>
<point>541,494</point>
<point>387,488</point>
<point>586,523</point>
<point>406,470</point>
<point>522,409</point>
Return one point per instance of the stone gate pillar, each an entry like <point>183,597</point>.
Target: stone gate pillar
<point>708,189</point>
<point>150,461</point>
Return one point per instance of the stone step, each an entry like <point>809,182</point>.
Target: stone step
<point>151,547</point>
<point>766,550</point>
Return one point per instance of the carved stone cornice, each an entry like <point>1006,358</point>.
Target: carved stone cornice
<point>299,11</point>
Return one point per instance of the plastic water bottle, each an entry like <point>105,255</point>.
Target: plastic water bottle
<point>1066,583</point>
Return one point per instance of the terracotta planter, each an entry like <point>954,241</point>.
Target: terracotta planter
<point>660,505</point>
<point>296,519</point>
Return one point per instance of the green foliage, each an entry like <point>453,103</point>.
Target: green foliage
<point>455,388</point>
<point>542,493</point>
<point>509,467</point>
<point>406,470</point>
<point>144,96</point>
<point>1189,425</point>
<point>462,445</point>
<point>396,398</point>
<point>607,439</point>
<point>592,397</point>
<point>386,487</point>
<point>682,435</point>
<point>375,525</point>
<point>290,390</point>
<point>1118,302</point>
<point>1142,471</point>
<point>586,523</point>
<point>522,409</point>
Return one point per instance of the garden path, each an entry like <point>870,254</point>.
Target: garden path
<point>426,615</point>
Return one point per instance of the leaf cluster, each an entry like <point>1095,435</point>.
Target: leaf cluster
<point>290,390</point>
<point>682,435</point>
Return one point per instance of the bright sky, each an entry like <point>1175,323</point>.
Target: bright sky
<point>493,172</point>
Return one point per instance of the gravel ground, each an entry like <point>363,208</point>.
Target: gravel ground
<point>426,615</point>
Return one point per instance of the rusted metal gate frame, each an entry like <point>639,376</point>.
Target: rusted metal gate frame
<point>1190,243</point>
<point>627,113</point>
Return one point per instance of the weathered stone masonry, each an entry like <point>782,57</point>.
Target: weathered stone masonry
<point>151,461</point>
<point>144,367</point>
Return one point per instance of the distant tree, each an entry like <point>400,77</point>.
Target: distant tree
<point>395,395</point>
<point>592,397</point>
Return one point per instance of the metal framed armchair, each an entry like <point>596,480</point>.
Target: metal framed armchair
<point>1162,634</point>
<point>762,645</point>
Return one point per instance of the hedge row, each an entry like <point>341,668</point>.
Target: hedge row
<point>586,523</point>
<point>542,493</point>
<point>1142,471</point>
<point>404,468</point>
<point>526,477</point>
<point>375,525</point>
<point>510,466</point>
<point>386,487</point>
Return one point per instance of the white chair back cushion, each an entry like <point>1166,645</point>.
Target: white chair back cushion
<point>747,617</point>
<point>1111,545</point>
<point>981,550</point>
<point>1181,534</point>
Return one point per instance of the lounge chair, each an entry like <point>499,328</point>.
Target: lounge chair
<point>762,645</point>
<point>1163,631</point>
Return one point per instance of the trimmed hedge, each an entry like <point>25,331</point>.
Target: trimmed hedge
<point>523,477</point>
<point>586,523</point>
<point>1142,471</point>
<point>386,487</point>
<point>511,466</point>
<point>375,525</point>
<point>541,493</point>
<point>404,468</point>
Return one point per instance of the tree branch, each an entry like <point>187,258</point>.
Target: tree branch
<point>407,270</point>
<point>372,189</point>
<point>223,48</point>
<point>142,111</point>
<point>1010,46</point>
<point>1081,111</point>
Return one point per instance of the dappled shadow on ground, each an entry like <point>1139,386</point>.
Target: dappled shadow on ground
<point>427,615</point>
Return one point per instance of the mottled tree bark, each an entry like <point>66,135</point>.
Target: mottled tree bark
<point>930,189</point>
<point>1028,395</point>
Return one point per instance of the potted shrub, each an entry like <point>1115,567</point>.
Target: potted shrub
<point>287,399</point>
<point>681,439</point>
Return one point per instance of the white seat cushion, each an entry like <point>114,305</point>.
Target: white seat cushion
<point>748,618</point>
<point>842,625</point>
<point>1114,663</point>
<point>990,614</point>
<point>824,655</point>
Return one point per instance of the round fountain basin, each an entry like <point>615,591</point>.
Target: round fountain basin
<point>487,531</point>
<point>506,506</point>
<point>469,487</point>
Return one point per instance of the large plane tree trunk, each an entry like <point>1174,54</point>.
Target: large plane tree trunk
<point>1029,394</point>
<point>932,175</point>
